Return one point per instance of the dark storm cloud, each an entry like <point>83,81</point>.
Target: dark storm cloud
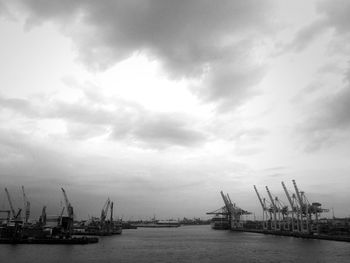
<point>192,38</point>
<point>126,121</point>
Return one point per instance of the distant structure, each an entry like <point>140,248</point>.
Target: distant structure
<point>300,216</point>
<point>232,215</point>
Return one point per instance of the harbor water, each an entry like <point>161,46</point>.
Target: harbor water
<point>183,244</point>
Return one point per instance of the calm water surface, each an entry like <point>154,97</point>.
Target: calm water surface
<point>183,244</point>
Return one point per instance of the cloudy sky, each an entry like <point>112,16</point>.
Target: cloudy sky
<point>161,104</point>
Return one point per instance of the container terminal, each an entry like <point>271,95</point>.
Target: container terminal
<point>300,218</point>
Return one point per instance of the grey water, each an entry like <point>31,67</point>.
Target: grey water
<point>183,244</point>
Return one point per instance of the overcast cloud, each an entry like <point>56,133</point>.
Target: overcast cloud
<point>193,39</point>
<point>162,103</point>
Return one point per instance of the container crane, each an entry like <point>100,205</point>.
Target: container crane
<point>226,202</point>
<point>303,209</point>
<point>26,206</point>
<point>236,213</point>
<point>294,208</point>
<point>283,211</point>
<point>264,208</point>
<point>220,211</point>
<point>274,226</point>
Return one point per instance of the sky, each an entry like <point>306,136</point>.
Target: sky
<point>161,104</point>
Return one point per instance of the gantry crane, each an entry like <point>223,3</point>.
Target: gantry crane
<point>282,214</point>
<point>308,224</point>
<point>274,224</point>
<point>294,208</point>
<point>266,211</point>
<point>234,212</point>
<point>237,212</point>
<point>303,210</point>
<point>26,206</point>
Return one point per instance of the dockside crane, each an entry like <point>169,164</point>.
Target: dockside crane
<point>303,210</point>
<point>283,211</point>
<point>68,205</point>
<point>226,202</point>
<point>264,208</point>
<point>26,206</point>
<point>274,209</point>
<point>67,223</point>
<point>293,208</point>
<point>14,214</point>
<point>220,211</point>
<point>104,211</point>
<point>236,213</point>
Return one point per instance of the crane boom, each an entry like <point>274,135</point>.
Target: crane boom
<point>260,200</point>
<point>68,205</point>
<point>228,198</point>
<point>104,210</point>
<point>271,198</point>
<point>10,202</point>
<point>298,193</point>
<point>225,200</point>
<point>26,205</point>
<point>288,195</point>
